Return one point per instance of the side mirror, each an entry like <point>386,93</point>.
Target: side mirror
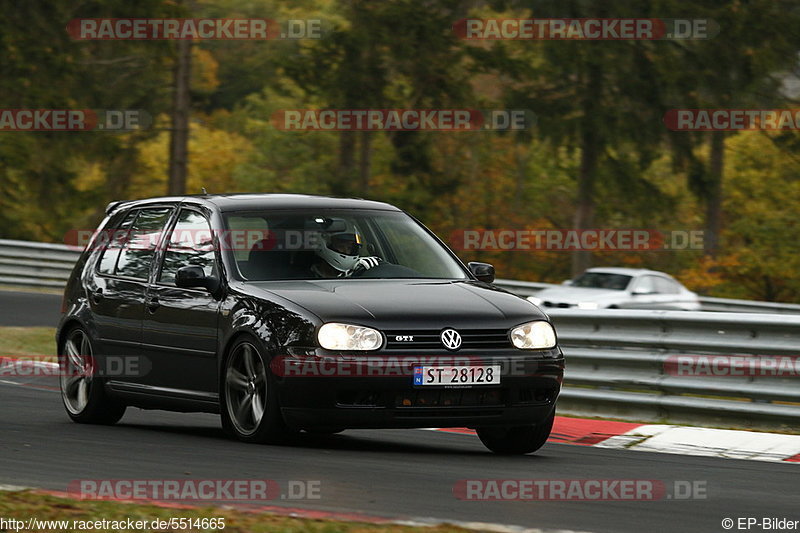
<point>483,271</point>
<point>193,276</point>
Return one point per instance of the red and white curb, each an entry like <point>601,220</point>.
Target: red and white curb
<point>34,369</point>
<point>681,440</point>
<point>731,444</point>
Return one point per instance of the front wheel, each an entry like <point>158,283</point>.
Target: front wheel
<point>516,440</point>
<point>249,399</point>
<point>82,392</point>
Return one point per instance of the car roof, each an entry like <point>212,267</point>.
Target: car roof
<point>255,201</point>
<point>627,271</point>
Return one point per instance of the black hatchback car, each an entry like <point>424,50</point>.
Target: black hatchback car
<point>288,313</point>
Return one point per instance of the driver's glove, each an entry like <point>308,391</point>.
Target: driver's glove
<point>365,263</point>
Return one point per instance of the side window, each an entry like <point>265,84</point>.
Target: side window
<point>246,227</point>
<point>666,286</point>
<point>145,233</point>
<point>646,285</point>
<point>190,243</point>
<point>116,238</point>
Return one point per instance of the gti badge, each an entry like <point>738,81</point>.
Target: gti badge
<point>451,339</point>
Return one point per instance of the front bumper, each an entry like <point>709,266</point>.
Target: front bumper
<point>352,393</point>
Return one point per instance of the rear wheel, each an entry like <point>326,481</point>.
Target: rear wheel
<point>249,399</point>
<point>516,440</point>
<point>82,392</point>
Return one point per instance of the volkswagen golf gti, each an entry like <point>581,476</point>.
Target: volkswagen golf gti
<point>290,313</point>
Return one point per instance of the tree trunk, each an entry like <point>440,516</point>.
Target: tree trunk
<point>365,161</point>
<point>347,148</point>
<point>181,105</point>
<point>590,148</point>
<point>714,198</point>
<point>522,154</point>
<point>584,214</point>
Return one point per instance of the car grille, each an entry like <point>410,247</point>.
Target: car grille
<point>473,339</point>
<point>451,398</point>
<point>447,398</point>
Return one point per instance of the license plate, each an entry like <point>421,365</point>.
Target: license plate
<point>457,375</point>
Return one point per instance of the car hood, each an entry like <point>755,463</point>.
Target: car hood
<point>428,304</point>
<point>574,295</point>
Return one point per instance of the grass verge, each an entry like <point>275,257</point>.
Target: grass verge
<point>24,505</point>
<point>16,341</point>
<point>25,288</point>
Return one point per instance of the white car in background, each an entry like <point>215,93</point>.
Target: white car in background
<point>619,288</point>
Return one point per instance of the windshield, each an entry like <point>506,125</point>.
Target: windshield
<point>283,244</point>
<point>602,280</point>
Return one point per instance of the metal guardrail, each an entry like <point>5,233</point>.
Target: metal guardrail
<point>618,362</point>
<point>49,265</point>
<point>523,288</point>
<point>665,366</point>
<point>36,264</point>
<point>747,306</point>
<point>529,288</point>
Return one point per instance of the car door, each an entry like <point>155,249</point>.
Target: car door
<point>672,295</point>
<point>118,283</point>
<point>179,332</point>
<point>644,294</point>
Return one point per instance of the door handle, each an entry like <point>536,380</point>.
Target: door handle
<point>153,304</point>
<point>97,295</point>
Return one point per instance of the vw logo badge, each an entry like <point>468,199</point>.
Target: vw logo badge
<point>451,339</point>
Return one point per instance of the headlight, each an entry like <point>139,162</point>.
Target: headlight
<point>587,305</point>
<point>534,335</point>
<point>335,336</point>
<point>534,300</point>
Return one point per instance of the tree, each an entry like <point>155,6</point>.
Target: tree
<point>741,67</point>
<point>585,97</point>
<point>42,67</point>
<point>371,60</point>
<point>181,107</point>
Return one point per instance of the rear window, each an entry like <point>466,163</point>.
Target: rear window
<point>130,252</point>
<point>117,238</point>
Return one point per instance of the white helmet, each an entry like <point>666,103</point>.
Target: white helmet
<point>340,249</point>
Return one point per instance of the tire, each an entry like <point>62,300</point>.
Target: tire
<point>249,397</point>
<point>516,440</point>
<point>83,395</point>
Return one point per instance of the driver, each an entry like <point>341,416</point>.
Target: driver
<point>339,254</point>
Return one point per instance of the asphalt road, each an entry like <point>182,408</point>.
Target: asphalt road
<point>18,308</point>
<point>405,474</point>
